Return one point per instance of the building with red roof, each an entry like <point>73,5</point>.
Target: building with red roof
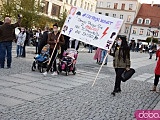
<point>146,23</point>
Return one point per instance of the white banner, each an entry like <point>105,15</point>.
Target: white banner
<point>92,28</point>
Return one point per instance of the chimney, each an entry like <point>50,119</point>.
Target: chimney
<point>152,4</point>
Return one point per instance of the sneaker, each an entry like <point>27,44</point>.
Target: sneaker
<point>45,74</point>
<point>54,74</point>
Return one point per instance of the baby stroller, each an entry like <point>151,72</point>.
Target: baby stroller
<point>68,61</point>
<point>40,61</point>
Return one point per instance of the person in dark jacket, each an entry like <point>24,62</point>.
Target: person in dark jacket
<point>52,40</point>
<point>121,61</point>
<point>44,39</point>
<point>6,37</point>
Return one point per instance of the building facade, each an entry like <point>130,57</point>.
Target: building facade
<point>53,8</point>
<point>123,9</point>
<point>147,21</point>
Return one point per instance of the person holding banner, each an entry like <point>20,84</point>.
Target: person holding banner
<point>55,40</point>
<point>121,61</point>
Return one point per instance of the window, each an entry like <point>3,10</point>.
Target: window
<point>108,4</point>
<point>100,13</point>
<point>127,29</point>
<point>139,21</point>
<point>75,2</point>
<point>134,31</point>
<point>46,7</point>
<point>101,4</point>
<point>55,10</point>
<point>85,6</point>
<point>147,21</point>
<point>115,5</point>
<point>130,6</point>
<point>156,33</point>
<point>141,31</point>
<point>114,15</point>
<point>123,6</point>
<point>88,7</point>
<point>81,3</point>
<point>107,14</point>
<point>148,32</point>
<point>129,18</point>
<point>71,2</point>
<point>91,8</point>
<point>121,16</point>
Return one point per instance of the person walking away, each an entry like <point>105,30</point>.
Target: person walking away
<point>6,38</point>
<point>20,42</point>
<point>52,40</point>
<point>121,61</point>
<point>157,71</point>
<point>43,40</point>
<point>103,54</point>
<point>38,40</point>
<point>151,51</point>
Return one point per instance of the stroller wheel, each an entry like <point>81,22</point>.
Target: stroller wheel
<point>74,72</point>
<point>41,69</point>
<point>34,66</point>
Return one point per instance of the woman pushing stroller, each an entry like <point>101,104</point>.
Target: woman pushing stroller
<point>52,40</point>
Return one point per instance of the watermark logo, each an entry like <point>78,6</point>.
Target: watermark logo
<point>147,115</point>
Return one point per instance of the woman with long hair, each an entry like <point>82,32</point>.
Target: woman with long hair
<point>121,61</point>
<point>20,42</point>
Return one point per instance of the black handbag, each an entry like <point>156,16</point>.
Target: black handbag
<point>127,74</point>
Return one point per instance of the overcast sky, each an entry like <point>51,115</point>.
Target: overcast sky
<point>150,1</point>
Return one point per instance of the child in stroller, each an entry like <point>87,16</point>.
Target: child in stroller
<point>68,61</point>
<point>40,61</point>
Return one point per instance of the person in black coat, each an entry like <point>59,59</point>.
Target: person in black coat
<point>43,40</point>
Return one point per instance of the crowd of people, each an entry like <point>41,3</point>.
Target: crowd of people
<point>59,43</point>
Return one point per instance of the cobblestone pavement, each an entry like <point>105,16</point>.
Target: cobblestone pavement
<point>26,95</point>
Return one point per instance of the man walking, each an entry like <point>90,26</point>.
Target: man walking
<point>6,37</point>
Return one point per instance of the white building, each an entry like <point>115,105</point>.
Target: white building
<point>123,9</point>
<point>53,8</point>
<point>147,20</point>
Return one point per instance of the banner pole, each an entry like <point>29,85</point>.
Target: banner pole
<point>100,69</point>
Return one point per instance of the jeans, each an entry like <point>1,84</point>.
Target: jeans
<point>90,48</point>
<point>150,54</point>
<point>156,80</point>
<point>5,48</point>
<point>37,47</point>
<point>103,54</point>
<point>119,72</point>
<point>53,61</point>
<point>19,50</point>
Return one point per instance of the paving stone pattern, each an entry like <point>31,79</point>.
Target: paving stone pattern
<point>26,95</point>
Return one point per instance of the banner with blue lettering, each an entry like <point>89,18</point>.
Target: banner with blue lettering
<point>91,28</point>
